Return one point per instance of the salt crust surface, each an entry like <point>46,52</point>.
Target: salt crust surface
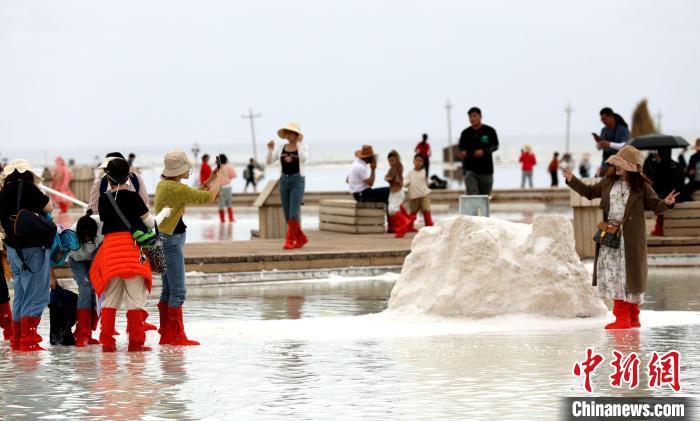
<point>482,267</point>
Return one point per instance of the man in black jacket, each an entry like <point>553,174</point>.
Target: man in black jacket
<point>477,145</point>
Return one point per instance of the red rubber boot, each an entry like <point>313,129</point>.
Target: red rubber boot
<point>411,217</point>
<point>178,327</point>
<point>391,224</point>
<point>135,326</point>
<point>94,319</point>
<point>83,326</point>
<point>300,238</point>
<point>428,217</point>
<point>147,326</point>
<point>634,314</point>
<point>658,230</point>
<point>16,335</point>
<point>402,224</point>
<point>222,216</point>
<point>291,235</point>
<point>63,206</point>
<point>165,325</point>
<point>30,339</point>
<point>6,321</point>
<point>231,218</point>
<point>622,316</point>
<point>107,331</point>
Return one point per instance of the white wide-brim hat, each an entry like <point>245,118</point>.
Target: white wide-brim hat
<point>176,163</point>
<point>291,127</point>
<point>21,166</point>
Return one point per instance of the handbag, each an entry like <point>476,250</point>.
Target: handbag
<point>608,234</point>
<point>150,242</point>
<point>32,227</point>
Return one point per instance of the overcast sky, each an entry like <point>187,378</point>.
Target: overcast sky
<point>165,71</point>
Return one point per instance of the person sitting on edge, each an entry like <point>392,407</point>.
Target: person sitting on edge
<point>362,177</point>
<point>134,183</point>
<point>477,145</point>
<point>613,136</point>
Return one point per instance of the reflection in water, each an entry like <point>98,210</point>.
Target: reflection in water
<point>486,375</point>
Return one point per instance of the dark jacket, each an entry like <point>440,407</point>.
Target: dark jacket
<point>633,227</point>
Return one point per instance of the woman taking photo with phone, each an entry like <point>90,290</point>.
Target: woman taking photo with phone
<point>292,157</point>
<point>620,269</point>
<point>171,193</point>
<point>29,260</point>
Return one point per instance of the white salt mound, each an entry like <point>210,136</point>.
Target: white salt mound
<point>482,267</point>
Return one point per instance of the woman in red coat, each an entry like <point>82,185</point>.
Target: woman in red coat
<point>527,164</point>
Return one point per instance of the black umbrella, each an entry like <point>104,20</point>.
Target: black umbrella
<point>656,141</point>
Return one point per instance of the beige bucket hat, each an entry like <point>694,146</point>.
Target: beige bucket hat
<point>291,127</point>
<point>626,158</point>
<point>21,166</point>
<point>176,163</point>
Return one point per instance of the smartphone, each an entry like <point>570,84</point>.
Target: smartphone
<point>596,137</point>
<point>218,162</point>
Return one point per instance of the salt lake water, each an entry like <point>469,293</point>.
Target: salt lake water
<point>319,350</point>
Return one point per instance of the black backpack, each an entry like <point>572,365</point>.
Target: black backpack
<point>32,228</point>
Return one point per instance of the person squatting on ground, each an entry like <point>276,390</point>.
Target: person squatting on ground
<point>79,261</point>
<point>418,191</point>
<point>527,165</point>
<point>101,184</point>
<point>398,221</point>
<point>477,144</point>
<point>171,193</point>
<point>625,193</point>
<point>227,174</point>
<point>362,177</point>
<point>29,260</point>
<point>120,270</point>
<point>61,176</point>
<point>292,157</point>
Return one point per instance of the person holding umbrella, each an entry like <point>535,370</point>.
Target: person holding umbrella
<point>620,273</point>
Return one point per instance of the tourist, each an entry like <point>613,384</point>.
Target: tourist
<point>681,159</point>
<point>249,176</point>
<point>423,148</point>
<point>693,172</point>
<point>418,191</point>
<point>79,261</point>
<point>29,258</point>
<point>227,174</point>
<point>61,177</point>
<point>132,158</point>
<point>668,176</point>
<point>292,157</point>
<point>553,169</point>
<point>584,168</point>
<point>527,164</point>
<point>621,273</point>
<point>477,144</point>
<point>171,193</point>
<point>6,323</point>
<point>204,169</point>
<point>567,161</point>
<point>613,136</point>
<point>134,183</point>
<point>121,270</point>
<point>398,222</point>
<point>362,177</point>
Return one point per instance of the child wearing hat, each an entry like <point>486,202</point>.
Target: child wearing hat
<point>172,193</point>
<point>292,157</point>
<point>626,193</point>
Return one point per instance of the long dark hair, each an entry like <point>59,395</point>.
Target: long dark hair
<point>636,180</point>
<point>16,176</point>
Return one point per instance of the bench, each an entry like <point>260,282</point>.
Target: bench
<point>349,216</point>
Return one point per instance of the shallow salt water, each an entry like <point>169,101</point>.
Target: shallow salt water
<point>318,350</point>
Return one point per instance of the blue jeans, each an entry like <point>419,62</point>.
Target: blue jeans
<point>32,289</point>
<point>81,274</point>
<point>174,290</point>
<point>291,195</point>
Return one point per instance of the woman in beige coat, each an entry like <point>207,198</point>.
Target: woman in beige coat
<point>625,193</point>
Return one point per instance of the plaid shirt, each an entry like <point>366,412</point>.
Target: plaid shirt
<point>95,193</point>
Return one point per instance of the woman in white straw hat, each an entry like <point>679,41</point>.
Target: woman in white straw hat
<point>292,157</point>
<point>620,273</point>
<point>171,193</point>
<point>29,260</point>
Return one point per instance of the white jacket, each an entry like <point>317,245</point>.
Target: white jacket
<point>274,155</point>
